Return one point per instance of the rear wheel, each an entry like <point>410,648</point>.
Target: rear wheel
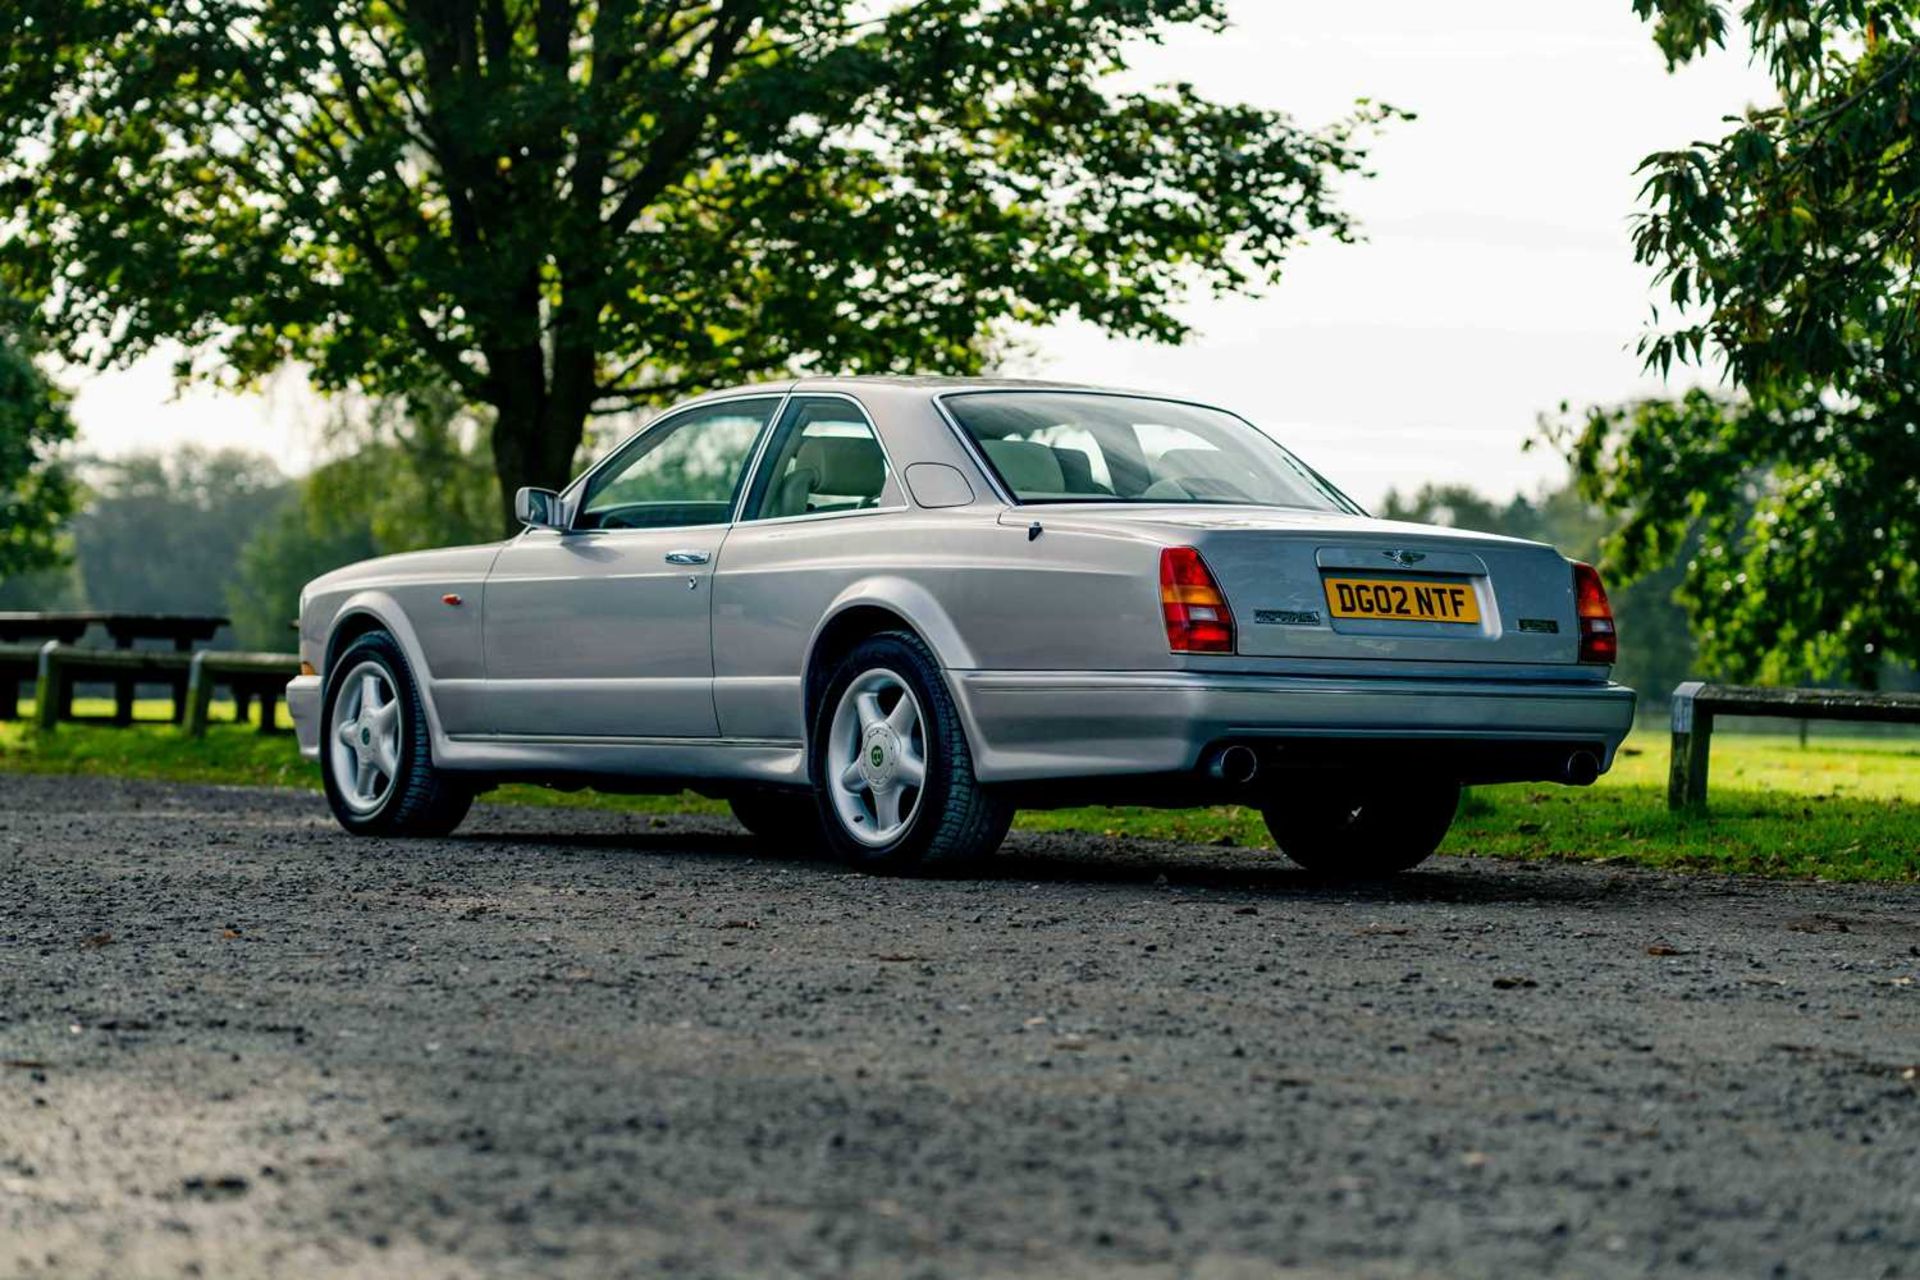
<point>1351,826</point>
<point>375,758</point>
<point>892,771</point>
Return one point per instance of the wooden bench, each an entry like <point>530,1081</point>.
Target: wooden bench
<point>255,677</point>
<point>1696,705</point>
<point>62,666</point>
<point>252,677</point>
<point>125,630</point>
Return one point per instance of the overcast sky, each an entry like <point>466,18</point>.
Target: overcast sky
<point>1497,279</point>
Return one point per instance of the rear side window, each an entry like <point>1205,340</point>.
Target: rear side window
<point>823,459</point>
<point>1064,446</point>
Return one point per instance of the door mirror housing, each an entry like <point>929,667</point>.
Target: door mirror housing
<point>538,509</point>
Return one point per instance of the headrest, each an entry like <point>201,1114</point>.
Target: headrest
<point>1025,466</point>
<point>843,466</point>
<point>1209,464</point>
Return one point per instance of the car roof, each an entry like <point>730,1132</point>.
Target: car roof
<point>926,384</point>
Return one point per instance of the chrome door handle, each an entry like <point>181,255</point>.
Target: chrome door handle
<point>687,557</point>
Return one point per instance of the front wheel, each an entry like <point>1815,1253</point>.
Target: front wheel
<point>1358,827</point>
<point>375,760</point>
<point>892,771</point>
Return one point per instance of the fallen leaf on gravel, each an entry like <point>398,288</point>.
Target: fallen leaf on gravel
<point>1901,982</point>
<point>1071,1042</point>
<point>1388,930</point>
<point>26,1064</point>
<point>1476,1159</point>
<point>1662,949</point>
<point>738,924</point>
<point>229,933</point>
<point>97,940</point>
<point>888,957</point>
<point>1038,1020</point>
<point>1508,984</point>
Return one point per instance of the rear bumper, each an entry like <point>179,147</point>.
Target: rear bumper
<point>1029,725</point>
<point>303,704</point>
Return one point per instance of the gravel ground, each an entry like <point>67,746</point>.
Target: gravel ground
<point>238,1043</point>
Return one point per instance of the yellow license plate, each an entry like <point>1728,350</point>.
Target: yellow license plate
<point>1396,600</point>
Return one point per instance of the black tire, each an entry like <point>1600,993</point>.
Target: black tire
<point>956,822</point>
<point>1361,827</point>
<point>788,822</point>
<point>420,800</point>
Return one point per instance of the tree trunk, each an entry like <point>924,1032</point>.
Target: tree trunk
<point>535,434</point>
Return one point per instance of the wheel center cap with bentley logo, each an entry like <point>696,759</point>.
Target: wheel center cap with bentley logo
<point>878,760</point>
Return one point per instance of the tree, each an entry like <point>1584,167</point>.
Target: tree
<point>36,491</point>
<point>564,207</point>
<point>1788,250</point>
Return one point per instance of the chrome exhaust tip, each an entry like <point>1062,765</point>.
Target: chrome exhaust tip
<point>1580,770</point>
<point>1236,765</point>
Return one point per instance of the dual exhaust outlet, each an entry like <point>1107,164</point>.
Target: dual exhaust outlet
<point>1237,765</point>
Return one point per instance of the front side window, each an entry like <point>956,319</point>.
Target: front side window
<point>823,459</point>
<point>1065,446</point>
<point>685,471</point>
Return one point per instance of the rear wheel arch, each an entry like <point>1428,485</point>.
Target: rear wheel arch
<point>840,636</point>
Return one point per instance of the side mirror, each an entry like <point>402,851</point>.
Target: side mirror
<point>538,508</point>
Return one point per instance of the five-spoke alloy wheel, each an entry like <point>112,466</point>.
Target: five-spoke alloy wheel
<point>366,737</point>
<point>877,757</point>
<point>376,757</point>
<point>892,770</point>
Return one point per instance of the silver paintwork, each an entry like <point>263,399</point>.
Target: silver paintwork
<point>624,652</point>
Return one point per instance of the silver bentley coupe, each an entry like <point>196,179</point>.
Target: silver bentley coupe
<point>879,615</point>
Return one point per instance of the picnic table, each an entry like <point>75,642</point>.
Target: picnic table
<point>125,630</point>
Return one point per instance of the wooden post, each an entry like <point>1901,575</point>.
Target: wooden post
<point>269,702</point>
<point>46,689</point>
<point>199,696</point>
<point>181,644</point>
<point>1692,734</point>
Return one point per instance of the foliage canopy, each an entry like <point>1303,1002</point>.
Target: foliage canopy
<point>564,207</point>
<point>1788,251</point>
<point>36,491</point>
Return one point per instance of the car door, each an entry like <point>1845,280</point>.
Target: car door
<point>826,508</point>
<point>604,629</point>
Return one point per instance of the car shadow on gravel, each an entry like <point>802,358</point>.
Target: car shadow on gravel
<point>1088,859</point>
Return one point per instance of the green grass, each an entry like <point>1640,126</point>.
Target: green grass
<point>1843,808</point>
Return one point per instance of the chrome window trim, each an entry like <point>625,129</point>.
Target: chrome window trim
<point>1006,493</point>
<point>579,482</point>
<point>898,477</point>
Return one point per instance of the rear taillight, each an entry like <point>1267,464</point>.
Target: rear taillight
<point>1598,640</point>
<point>1196,614</point>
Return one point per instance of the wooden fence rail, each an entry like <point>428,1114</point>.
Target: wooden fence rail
<point>1696,705</point>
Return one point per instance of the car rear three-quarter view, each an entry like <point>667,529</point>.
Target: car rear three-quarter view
<point>881,615</point>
